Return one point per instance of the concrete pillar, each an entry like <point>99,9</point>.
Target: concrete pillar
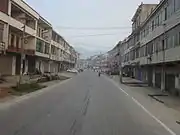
<point>26,66</point>
<point>37,64</point>
<point>19,44</point>
<point>13,65</point>
<point>6,35</point>
<point>162,79</point>
<point>9,42</point>
<point>43,47</point>
<point>36,26</point>
<point>42,66</point>
<point>9,8</point>
<point>177,83</point>
<point>49,66</point>
<point>153,77</point>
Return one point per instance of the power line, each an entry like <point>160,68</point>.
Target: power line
<point>92,28</point>
<point>95,35</point>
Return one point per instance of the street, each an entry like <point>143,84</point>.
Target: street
<point>85,105</point>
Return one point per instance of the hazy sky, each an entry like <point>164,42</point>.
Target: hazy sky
<point>89,13</point>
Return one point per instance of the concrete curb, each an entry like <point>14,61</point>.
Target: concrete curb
<point>16,100</point>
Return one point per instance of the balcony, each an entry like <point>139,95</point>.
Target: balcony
<point>41,54</point>
<point>4,17</point>
<point>169,24</point>
<point>42,49</point>
<point>55,57</point>
<point>58,45</point>
<point>16,24</point>
<point>19,18</point>
<point>26,7</point>
<point>44,30</point>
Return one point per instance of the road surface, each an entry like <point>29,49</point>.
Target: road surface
<point>85,105</point>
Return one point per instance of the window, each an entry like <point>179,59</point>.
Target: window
<point>150,48</point>
<point>165,13</point>
<point>53,50</point>
<point>169,42</point>
<point>160,18</point>
<point>39,32</point>
<point>163,45</point>
<point>39,46</point>
<point>141,35</point>
<point>141,51</point>
<point>42,33</point>
<point>147,30</point>
<point>137,53</point>
<point>153,47</point>
<point>146,50</point>
<point>12,40</point>
<point>156,46</point>
<point>46,48</point>
<point>173,41</point>
<point>157,21</point>
<point>176,40</point>
<point>177,5</point>
<point>17,42</point>
<point>152,25</point>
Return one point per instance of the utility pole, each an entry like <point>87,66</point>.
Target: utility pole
<point>22,55</point>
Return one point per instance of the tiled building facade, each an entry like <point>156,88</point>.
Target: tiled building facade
<point>44,49</point>
<point>152,52</point>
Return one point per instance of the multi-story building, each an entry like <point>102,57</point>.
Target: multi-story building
<point>113,59</point>
<point>154,55</point>
<point>24,31</point>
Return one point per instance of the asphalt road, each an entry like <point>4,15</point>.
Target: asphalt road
<point>85,105</point>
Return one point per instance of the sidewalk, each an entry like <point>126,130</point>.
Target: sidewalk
<point>168,112</point>
<point>155,93</point>
<point>10,81</point>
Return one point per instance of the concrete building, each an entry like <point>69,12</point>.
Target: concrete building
<point>153,54</point>
<point>114,59</point>
<point>44,49</point>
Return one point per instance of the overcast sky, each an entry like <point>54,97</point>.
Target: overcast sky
<point>67,15</point>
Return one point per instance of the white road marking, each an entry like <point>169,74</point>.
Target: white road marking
<point>154,117</point>
<point>148,112</point>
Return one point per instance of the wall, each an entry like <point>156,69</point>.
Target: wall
<point>26,7</point>
<point>54,67</point>
<point>4,6</point>
<point>6,63</point>
<point>31,43</point>
<point>146,11</point>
